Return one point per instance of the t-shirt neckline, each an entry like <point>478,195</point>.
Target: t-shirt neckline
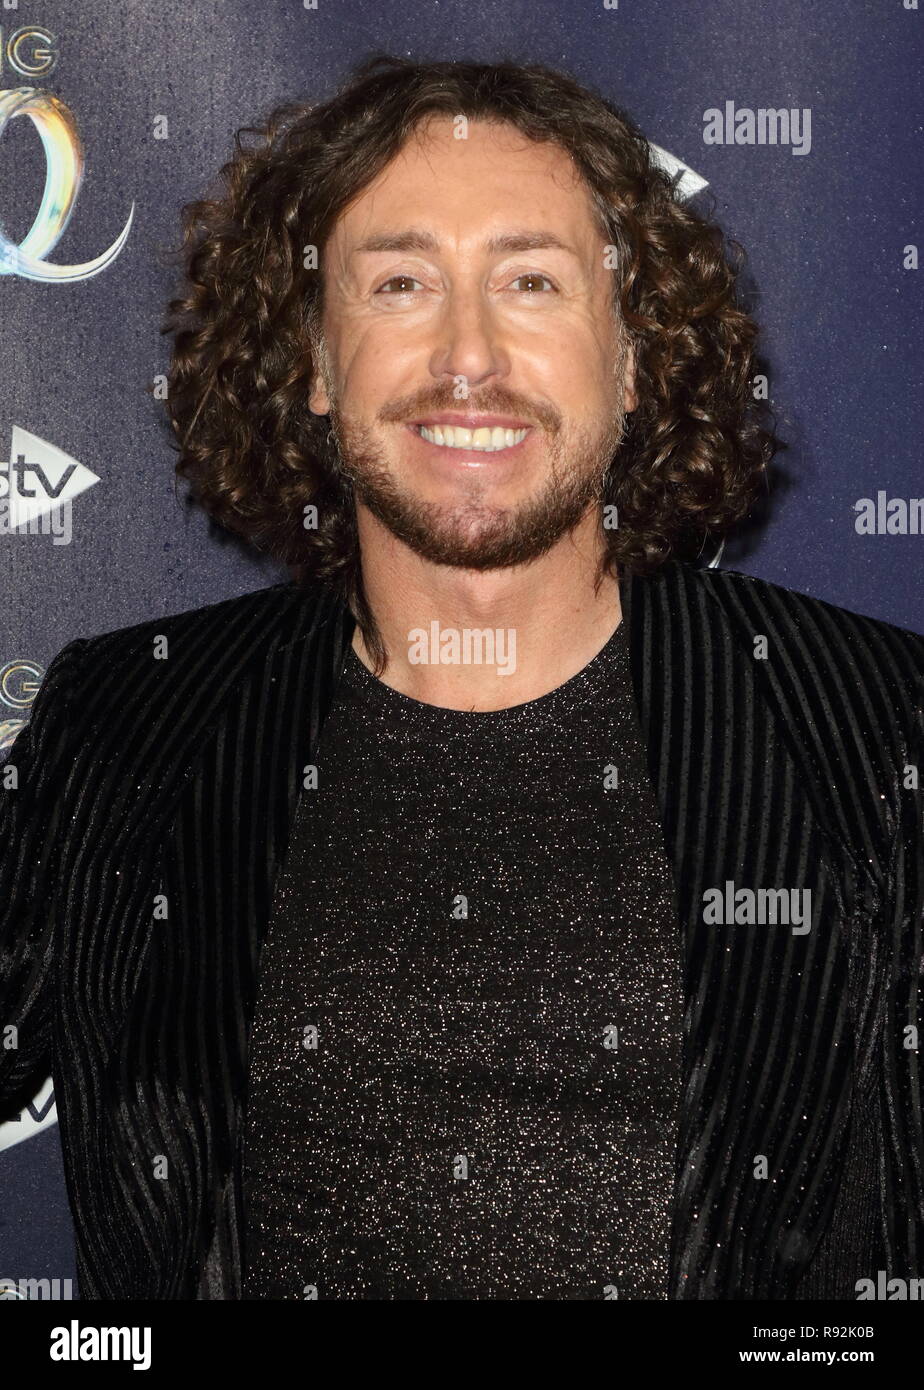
<point>583,683</point>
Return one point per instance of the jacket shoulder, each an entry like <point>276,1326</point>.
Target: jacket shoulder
<point>181,661</point>
<point>226,613</point>
<point>805,610</point>
<point>857,664</point>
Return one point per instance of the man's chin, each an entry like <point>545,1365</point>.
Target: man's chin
<point>473,528</point>
<point>482,540</point>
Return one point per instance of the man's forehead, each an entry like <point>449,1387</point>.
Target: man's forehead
<point>397,212</point>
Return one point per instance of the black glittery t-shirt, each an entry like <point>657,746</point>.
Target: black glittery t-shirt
<point>465,1064</point>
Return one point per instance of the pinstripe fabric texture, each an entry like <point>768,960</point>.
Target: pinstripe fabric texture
<point>142,843</point>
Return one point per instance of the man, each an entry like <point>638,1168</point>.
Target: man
<point>509,907</point>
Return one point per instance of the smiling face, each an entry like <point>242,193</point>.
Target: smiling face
<point>473,368</point>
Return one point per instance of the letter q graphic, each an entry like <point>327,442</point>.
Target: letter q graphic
<point>64,163</point>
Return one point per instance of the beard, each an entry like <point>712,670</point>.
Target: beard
<point>472,533</point>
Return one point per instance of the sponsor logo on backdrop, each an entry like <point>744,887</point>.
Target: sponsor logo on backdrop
<point>19,683</point>
<point>687,183</point>
<point>37,487</point>
<point>39,1114</point>
<point>31,52</point>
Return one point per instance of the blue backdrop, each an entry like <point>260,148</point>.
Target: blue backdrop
<point>92,535</point>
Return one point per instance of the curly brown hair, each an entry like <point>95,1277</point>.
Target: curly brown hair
<point>247,325</point>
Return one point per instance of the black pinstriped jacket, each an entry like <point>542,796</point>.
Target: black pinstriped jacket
<point>140,777</point>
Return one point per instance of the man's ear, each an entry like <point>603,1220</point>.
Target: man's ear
<point>318,399</point>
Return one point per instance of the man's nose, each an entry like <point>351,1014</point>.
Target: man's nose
<point>468,339</point>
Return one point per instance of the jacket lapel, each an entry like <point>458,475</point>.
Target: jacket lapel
<point>203,832</point>
<point>768,1051</point>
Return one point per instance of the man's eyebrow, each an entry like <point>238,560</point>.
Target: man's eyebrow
<point>414,240</point>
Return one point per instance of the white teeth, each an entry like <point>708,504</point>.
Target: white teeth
<point>486,439</point>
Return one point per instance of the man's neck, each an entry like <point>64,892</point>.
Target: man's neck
<point>533,626</point>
